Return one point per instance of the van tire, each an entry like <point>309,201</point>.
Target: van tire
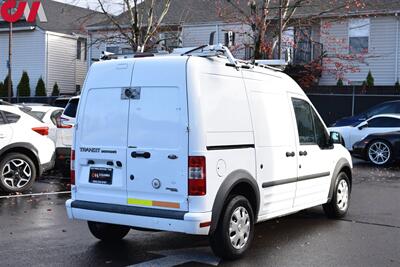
<point>220,240</point>
<point>108,232</point>
<point>22,161</point>
<point>334,209</point>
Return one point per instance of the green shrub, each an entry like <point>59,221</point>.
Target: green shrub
<point>40,88</point>
<point>23,87</point>
<point>6,86</point>
<point>339,83</point>
<point>56,90</point>
<point>370,80</point>
<point>397,86</point>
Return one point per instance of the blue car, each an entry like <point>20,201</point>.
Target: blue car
<point>390,107</point>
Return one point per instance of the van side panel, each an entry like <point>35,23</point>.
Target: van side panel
<point>220,124</point>
<point>275,136</point>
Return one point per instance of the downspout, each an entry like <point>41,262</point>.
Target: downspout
<point>217,29</point>
<point>397,76</point>
<point>48,87</point>
<point>89,52</point>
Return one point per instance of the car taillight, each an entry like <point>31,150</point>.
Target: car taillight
<point>60,123</point>
<point>197,176</point>
<point>41,130</point>
<point>72,172</point>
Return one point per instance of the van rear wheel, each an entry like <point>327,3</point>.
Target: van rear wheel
<point>108,232</point>
<point>235,230</point>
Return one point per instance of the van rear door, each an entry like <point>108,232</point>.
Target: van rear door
<point>157,156</point>
<point>101,135</point>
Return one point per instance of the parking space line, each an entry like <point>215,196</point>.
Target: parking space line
<point>36,194</point>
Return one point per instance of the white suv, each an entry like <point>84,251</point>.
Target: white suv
<point>25,150</point>
<point>65,124</point>
<point>200,145</point>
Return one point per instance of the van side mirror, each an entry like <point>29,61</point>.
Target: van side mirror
<point>363,125</point>
<point>336,138</point>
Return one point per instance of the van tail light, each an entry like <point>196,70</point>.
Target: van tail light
<point>197,176</point>
<point>41,130</point>
<point>72,172</point>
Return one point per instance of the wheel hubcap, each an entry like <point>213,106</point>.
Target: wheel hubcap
<point>342,198</point>
<point>239,228</point>
<point>16,173</point>
<point>379,153</point>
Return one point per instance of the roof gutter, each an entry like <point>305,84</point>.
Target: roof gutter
<point>19,29</point>
<point>123,26</point>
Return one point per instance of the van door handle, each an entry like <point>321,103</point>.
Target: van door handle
<point>290,154</point>
<point>303,153</point>
<point>145,155</point>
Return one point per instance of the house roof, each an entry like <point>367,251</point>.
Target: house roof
<point>62,18</point>
<point>206,11</point>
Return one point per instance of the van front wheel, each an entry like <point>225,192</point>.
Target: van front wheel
<point>338,206</point>
<point>108,232</point>
<point>235,231</point>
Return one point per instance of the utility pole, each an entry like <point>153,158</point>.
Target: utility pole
<point>280,31</point>
<point>9,81</point>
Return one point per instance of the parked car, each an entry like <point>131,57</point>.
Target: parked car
<point>48,115</point>
<point>380,149</point>
<point>377,124</point>
<point>390,107</point>
<point>61,101</point>
<point>5,103</point>
<point>65,124</point>
<point>204,147</point>
<point>25,150</point>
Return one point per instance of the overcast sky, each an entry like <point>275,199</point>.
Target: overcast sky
<point>111,5</point>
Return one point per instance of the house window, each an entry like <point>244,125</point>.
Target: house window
<point>79,49</point>
<point>112,49</point>
<point>169,40</point>
<point>127,51</point>
<point>358,36</point>
<point>248,52</point>
<point>229,39</point>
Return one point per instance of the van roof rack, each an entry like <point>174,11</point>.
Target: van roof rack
<point>215,50</point>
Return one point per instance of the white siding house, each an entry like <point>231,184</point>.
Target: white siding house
<point>50,55</point>
<point>55,50</point>
<point>199,34</point>
<point>29,50</point>
<point>382,59</point>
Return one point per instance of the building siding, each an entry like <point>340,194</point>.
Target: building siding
<point>28,55</point>
<point>196,35</point>
<point>398,48</point>
<point>61,62</point>
<point>381,57</point>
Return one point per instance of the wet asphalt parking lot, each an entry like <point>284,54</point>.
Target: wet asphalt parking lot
<point>35,231</point>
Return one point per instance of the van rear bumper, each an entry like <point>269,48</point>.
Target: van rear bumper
<point>149,218</point>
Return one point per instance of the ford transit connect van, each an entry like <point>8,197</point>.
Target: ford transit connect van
<point>200,145</point>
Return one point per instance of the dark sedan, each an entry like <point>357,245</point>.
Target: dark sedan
<point>392,107</point>
<point>380,149</point>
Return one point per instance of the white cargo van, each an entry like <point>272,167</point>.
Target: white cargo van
<point>203,145</point>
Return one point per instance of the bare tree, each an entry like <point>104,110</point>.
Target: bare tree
<point>140,23</point>
<point>261,17</point>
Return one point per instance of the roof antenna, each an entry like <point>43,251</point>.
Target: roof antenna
<point>211,42</point>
